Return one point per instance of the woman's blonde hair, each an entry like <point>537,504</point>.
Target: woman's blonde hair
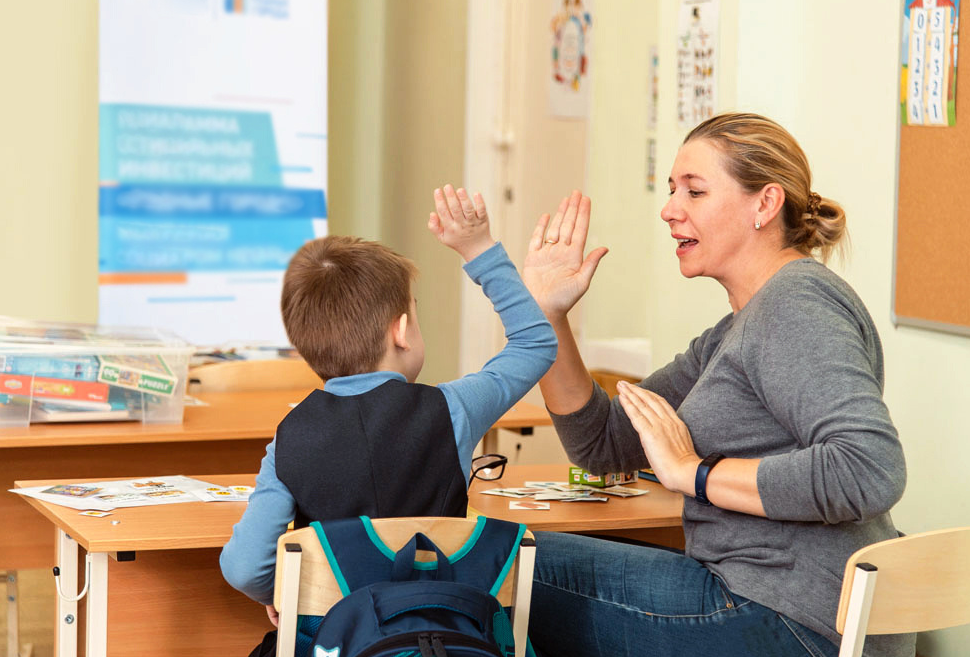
<point>758,151</point>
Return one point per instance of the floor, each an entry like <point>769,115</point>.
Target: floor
<point>37,596</point>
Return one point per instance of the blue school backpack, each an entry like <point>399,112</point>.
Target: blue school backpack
<point>394,606</point>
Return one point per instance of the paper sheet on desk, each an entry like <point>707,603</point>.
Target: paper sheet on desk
<point>110,495</point>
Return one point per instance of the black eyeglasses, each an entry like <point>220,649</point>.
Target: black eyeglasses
<point>488,467</point>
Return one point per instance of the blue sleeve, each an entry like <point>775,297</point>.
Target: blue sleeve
<point>248,560</point>
<point>477,400</point>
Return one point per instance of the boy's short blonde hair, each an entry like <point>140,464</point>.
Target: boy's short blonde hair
<point>340,295</point>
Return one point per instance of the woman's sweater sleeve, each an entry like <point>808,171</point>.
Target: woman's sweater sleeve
<point>814,358</point>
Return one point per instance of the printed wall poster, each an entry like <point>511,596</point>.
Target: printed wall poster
<point>570,56</point>
<point>213,161</point>
<point>698,22</point>
<point>929,71</point>
<point>653,97</point>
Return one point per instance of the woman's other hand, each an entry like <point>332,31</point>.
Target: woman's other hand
<point>555,271</point>
<point>665,438</point>
<point>461,222</point>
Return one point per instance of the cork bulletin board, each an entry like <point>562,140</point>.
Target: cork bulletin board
<point>931,284</point>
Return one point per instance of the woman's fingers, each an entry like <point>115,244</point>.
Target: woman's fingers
<point>635,411</point>
<point>535,242</point>
<point>581,227</point>
<point>569,219</point>
<point>552,232</point>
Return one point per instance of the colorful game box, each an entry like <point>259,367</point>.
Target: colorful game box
<point>578,475</point>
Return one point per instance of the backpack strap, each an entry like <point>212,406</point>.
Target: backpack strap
<point>358,557</point>
<point>331,558</point>
<point>403,568</point>
<point>508,562</point>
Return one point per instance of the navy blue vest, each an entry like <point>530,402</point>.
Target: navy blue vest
<point>389,452</point>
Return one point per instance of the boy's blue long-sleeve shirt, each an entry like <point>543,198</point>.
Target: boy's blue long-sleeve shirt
<point>475,402</point>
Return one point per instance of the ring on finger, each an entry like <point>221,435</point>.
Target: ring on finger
<point>550,241</point>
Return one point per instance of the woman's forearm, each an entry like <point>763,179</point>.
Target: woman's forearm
<point>567,386</point>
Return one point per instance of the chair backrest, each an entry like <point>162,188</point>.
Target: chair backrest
<point>250,375</point>
<point>303,573</point>
<point>608,380</point>
<point>913,583</point>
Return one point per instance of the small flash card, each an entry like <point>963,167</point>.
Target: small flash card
<point>95,514</point>
<point>528,505</point>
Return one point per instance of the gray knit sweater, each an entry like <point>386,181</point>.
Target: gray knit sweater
<point>794,378</point>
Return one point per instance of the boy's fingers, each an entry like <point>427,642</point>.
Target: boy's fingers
<point>467,208</point>
<point>453,203</point>
<point>480,207</point>
<point>444,214</point>
<point>535,242</point>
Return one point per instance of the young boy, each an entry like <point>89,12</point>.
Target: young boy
<point>373,442</point>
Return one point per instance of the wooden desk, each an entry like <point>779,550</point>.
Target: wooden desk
<point>653,518</point>
<point>166,594</point>
<point>171,599</point>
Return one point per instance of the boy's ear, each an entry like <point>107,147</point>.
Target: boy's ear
<point>399,328</point>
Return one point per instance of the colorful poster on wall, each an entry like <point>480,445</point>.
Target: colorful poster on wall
<point>697,29</point>
<point>570,57</point>
<point>213,161</point>
<point>929,71</point>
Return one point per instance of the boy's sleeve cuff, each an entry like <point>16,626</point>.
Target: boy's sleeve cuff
<point>486,260</point>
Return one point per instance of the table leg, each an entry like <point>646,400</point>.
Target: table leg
<point>65,641</point>
<point>13,614</point>
<point>97,621</point>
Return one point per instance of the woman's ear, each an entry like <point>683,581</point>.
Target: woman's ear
<point>399,331</point>
<point>771,200</point>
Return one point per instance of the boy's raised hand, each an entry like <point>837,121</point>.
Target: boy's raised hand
<point>461,222</point>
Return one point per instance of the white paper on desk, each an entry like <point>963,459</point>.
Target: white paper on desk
<point>148,491</point>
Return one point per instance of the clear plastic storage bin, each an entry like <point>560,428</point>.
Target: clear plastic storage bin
<point>57,372</point>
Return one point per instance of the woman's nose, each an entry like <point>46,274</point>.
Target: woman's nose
<point>670,211</point>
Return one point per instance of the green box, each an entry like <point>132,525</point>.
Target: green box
<point>579,476</point>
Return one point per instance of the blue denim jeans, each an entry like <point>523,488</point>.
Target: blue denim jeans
<point>598,598</point>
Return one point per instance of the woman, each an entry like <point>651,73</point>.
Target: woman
<point>771,424</point>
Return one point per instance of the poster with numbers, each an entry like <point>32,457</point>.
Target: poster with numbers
<point>697,29</point>
<point>213,161</point>
<point>929,70</point>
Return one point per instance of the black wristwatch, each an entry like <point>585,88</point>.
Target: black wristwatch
<point>700,479</point>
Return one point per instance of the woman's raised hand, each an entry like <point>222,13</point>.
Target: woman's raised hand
<point>555,270</point>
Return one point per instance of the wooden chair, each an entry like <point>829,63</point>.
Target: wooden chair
<point>250,375</point>
<point>608,380</point>
<point>305,584</point>
<point>910,584</point>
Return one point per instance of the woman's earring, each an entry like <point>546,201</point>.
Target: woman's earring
<point>757,225</point>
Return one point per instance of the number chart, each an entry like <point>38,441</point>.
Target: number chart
<point>929,62</point>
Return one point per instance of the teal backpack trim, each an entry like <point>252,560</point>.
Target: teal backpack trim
<point>331,559</point>
<point>508,563</point>
<point>426,565</point>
